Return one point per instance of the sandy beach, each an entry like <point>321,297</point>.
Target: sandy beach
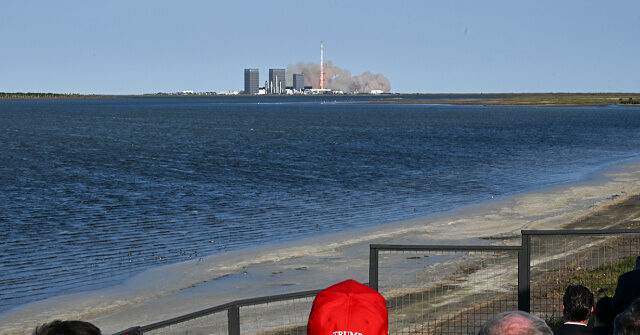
<point>607,199</point>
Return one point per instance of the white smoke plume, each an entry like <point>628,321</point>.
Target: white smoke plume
<point>338,79</point>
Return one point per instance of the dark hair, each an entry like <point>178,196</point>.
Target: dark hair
<point>628,322</point>
<point>515,323</point>
<point>577,301</point>
<point>603,311</point>
<point>58,327</point>
<point>638,262</point>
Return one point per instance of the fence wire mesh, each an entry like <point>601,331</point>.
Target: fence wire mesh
<point>287,317</point>
<point>449,290</point>
<point>446,292</point>
<point>212,324</point>
<point>594,260</point>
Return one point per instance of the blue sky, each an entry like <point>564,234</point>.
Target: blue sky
<point>420,46</point>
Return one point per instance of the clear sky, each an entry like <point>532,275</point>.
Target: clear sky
<point>429,46</point>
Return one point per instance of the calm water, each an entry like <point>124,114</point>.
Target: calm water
<point>94,191</point>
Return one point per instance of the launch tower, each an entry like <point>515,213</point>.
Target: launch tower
<point>321,66</point>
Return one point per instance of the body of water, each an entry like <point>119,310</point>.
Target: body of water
<point>95,191</point>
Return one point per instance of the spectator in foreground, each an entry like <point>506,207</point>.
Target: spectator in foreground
<point>627,290</point>
<point>577,305</point>
<point>348,308</point>
<point>603,317</point>
<point>515,323</point>
<point>628,322</point>
<point>58,327</point>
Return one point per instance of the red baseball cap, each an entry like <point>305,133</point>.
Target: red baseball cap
<point>348,308</point>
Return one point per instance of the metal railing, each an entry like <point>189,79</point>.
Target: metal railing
<point>233,322</point>
<point>457,288</point>
<point>444,289</point>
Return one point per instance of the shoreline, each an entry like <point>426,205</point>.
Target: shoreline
<point>534,100</point>
<point>317,262</point>
<point>482,99</point>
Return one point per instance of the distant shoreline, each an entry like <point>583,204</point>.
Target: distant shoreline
<point>486,99</point>
<point>535,99</point>
<point>35,96</point>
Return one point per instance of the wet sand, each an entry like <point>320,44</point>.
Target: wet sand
<point>607,200</point>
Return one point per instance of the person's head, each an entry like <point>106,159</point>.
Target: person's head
<point>348,308</point>
<point>58,327</point>
<point>603,312</point>
<point>628,322</point>
<point>638,262</point>
<point>515,323</point>
<point>577,303</point>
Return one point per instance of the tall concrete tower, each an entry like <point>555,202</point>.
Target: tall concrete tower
<point>251,80</point>
<point>298,82</point>
<point>277,81</point>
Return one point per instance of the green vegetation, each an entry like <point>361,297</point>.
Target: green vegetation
<point>629,101</point>
<point>601,280</point>
<point>503,99</point>
<point>20,95</point>
<point>531,99</point>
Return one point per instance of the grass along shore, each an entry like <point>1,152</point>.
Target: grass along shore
<point>33,96</point>
<point>530,99</point>
<point>500,99</point>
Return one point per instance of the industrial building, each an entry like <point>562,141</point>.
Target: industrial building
<point>276,83</point>
<point>251,81</point>
<point>298,82</point>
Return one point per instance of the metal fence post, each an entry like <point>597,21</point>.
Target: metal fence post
<point>131,331</point>
<point>233,320</point>
<point>373,267</point>
<point>524,274</point>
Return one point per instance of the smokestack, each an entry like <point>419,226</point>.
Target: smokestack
<point>321,66</point>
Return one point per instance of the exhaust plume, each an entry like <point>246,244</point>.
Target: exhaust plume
<point>338,79</point>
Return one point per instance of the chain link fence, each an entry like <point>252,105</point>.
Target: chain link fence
<point>594,259</point>
<point>444,289</point>
<point>212,324</point>
<point>286,317</point>
<point>284,314</point>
